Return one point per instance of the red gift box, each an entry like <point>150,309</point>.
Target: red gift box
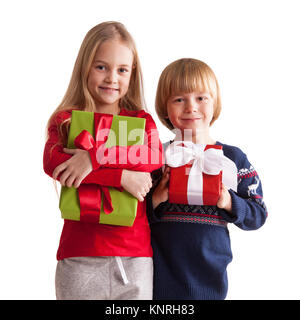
<point>199,181</point>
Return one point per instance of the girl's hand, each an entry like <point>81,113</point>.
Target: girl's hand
<point>225,201</point>
<point>161,193</point>
<point>74,170</point>
<point>137,183</point>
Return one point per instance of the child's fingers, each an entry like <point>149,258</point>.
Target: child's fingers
<point>58,170</point>
<point>77,182</point>
<point>139,196</point>
<point>146,190</point>
<point>64,177</point>
<point>149,181</point>
<point>167,169</point>
<point>69,151</point>
<point>69,181</point>
<point>165,178</point>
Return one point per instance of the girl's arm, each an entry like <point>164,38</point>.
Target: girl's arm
<point>136,183</point>
<point>54,156</point>
<point>248,210</point>
<point>147,157</point>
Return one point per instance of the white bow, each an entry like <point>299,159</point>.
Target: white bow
<point>211,161</point>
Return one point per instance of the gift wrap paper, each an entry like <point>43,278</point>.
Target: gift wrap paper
<point>124,204</point>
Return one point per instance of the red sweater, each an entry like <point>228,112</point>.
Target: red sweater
<point>88,239</point>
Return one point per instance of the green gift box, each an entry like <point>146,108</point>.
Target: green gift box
<point>124,204</point>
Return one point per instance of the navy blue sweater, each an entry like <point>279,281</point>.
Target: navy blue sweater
<point>191,244</point>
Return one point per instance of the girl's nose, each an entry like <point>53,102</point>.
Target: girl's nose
<point>111,77</point>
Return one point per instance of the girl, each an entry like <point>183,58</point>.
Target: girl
<point>191,243</point>
<point>97,261</point>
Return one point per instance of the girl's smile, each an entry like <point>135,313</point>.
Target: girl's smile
<point>108,89</point>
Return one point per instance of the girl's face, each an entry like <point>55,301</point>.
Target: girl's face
<point>192,111</point>
<point>109,76</point>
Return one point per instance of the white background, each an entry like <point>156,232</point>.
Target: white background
<point>253,47</point>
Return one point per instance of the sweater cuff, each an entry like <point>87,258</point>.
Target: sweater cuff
<point>238,211</point>
<point>116,178</point>
<point>149,207</point>
<point>94,161</point>
<point>154,215</point>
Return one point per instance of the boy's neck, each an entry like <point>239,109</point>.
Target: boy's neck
<point>196,137</point>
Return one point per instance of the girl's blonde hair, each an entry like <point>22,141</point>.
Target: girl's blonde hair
<point>185,76</point>
<point>78,96</point>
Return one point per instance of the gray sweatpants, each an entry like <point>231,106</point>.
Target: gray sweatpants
<point>104,278</point>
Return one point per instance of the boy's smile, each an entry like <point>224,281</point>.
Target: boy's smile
<point>191,111</point>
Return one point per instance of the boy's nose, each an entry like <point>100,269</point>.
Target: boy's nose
<point>190,105</point>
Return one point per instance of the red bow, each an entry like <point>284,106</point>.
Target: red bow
<point>90,195</point>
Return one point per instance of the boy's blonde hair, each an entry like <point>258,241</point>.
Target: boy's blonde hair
<point>77,94</point>
<point>185,76</point>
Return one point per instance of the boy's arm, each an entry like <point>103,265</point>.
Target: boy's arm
<point>248,209</point>
<point>155,211</point>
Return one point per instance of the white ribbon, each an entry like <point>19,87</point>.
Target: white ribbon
<point>211,161</point>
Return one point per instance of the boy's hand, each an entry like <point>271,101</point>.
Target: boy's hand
<point>224,201</point>
<point>74,170</point>
<point>161,192</point>
<point>137,183</point>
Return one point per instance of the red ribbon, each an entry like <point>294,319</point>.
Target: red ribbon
<point>90,195</point>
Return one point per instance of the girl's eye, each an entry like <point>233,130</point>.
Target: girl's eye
<point>123,70</point>
<point>101,67</point>
<point>202,98</point>
<point>179,100</point>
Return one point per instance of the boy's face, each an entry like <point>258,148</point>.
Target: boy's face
<point>110,73</point>
<point>192,111</point>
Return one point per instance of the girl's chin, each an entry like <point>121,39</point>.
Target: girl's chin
<point>107,102</point>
